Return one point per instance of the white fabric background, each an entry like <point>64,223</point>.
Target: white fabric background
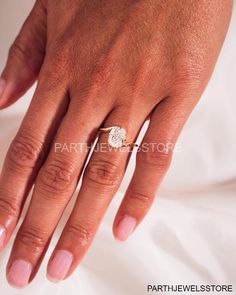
<point>189,235</point>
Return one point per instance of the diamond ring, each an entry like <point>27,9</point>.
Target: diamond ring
<point>116,137</point>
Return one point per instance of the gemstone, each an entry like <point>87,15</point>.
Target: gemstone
<point>116,137</point>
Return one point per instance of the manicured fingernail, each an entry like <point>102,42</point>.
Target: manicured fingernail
<point>59,265</point>
<point>2,86</point>
<point>2,235</point>
<point>19,273</point>
<point>125,227</point>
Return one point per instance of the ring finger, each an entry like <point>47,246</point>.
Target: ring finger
<point>101,180</point>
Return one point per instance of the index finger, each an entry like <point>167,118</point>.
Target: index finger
<point>26,154</point>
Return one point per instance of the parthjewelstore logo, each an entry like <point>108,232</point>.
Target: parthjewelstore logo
<point>187,289</point>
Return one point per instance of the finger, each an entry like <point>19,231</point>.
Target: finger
<point>54,187</point>
<point>25,57</point>
<point>101,180</point>
<point>27,153</point>
<point>153,161</point>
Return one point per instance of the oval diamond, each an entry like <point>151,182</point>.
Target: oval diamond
<point>116,137</point>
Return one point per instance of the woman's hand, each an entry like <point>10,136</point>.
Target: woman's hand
<point>98,63</point>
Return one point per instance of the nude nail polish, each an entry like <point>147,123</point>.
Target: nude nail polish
<point>2,235</point>
<point>19,273</point>
<point>125,227</point>
<point>2,86</point>
<point>59,265</point>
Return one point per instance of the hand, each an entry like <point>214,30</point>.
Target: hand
<point>97,63</point>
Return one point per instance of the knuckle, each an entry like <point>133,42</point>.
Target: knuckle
<point>31,238</point>
<point>9,207</point>
<point>31,56</point>
<point>142,198</point>
<point>18,50</point>
<point>25,152</point>
<point>52,79</point>
<point>56,176</point>
<point>189,72</point>
<point>59,50</point>
<point>82,234</point>
<point>187,81</point>
<point>156,157</point>
<point>103,71</point>
<point>60,58</point>
<point>103,172</point>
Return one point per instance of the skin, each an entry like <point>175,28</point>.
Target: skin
<point>99,63</point>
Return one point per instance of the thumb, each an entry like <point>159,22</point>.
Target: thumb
<point>25,57</point>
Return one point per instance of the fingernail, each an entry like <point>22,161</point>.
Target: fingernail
<point>19,273</point>
<point>59,265</point>
<point>2,85</point>
<point>125,227</point>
